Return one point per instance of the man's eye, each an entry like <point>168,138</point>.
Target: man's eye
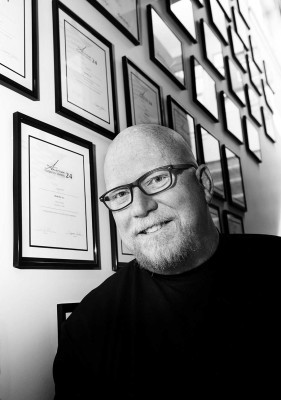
<point>119,195</point>
<point>156,180</point>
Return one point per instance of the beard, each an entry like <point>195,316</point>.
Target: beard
<point>166,253</point>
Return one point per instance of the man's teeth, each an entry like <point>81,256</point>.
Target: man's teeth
<point>154,228</point>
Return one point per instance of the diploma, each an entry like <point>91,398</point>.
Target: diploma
<point>181,124</point>
<point>145,104</point>
<point>57,197</point>
<point>125,12</point>
<point>86,77</point>
<point>12,36</point>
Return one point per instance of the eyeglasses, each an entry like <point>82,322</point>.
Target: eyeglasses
<point>153,182</point>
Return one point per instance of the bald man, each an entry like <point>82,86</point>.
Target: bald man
<point>194,313</point>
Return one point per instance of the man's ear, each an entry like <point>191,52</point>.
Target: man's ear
<point>205,179</point>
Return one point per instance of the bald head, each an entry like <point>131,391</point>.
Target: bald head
<point>141,148</point>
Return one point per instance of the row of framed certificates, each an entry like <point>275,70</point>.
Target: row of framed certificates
<point>85,71</point>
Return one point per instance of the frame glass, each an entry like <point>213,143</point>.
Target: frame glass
<point>268,123</point>
<point>19,69</point>
<point>215,214</point>
<point>120,254</point>
<point>252,139</point>
<point>84,73</point>
<point>144,103</point>
<point>240,27</point>
<point>55,208</point>
<point>254,75</point>
<point>233,223</point>
<point>165,48</point>
<point>212,49</point>
<point>218,19</point>
<point>254,104</point>
<point>182,122</point>
<point>204,89</point>
<point>237,49</point>
<point>225,5</point>
<point>268,95</point>
<point>63,312</point>
<point>182,12</point>
<point>211,156</point>
<point>234,179</point>
<point>235,81</point>
<point>231,117</point>
<point>124,15</point>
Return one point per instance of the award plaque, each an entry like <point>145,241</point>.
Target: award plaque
<point>19,47</point>
<point>55,213</point>
<point>84,73</point>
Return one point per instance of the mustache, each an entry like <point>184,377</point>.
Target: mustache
<point>150,221</point>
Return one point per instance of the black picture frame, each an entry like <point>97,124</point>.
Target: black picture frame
<point>235,188</point>
<point>212,49</point>
<point>85,86</point>
<point>120,19</point>
<point>144,101</point>
<point>255,75</point>
<point>268,94</point>
<point>255,52</point>
<point>268,124</point>
<point>232,120</point>
<point>56,222</point>
<point>254,104</point>
<point>218,19</point>
<point>243,8</point>
<point>160,50</point>
<point>183,122</point>
<point>241,27</point>
<point>207,98</point>
<point>233,223</point>
<point>235,81</point>
<point>21,72</point>
<point>252,139</point>
<point>211,156</point>
<point>120,256</point>
<point>237,49</point>
<point>216,217</point>
<point>63,312</point>
<point>183,17</point>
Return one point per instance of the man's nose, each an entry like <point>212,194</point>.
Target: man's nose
<point>142,203</point>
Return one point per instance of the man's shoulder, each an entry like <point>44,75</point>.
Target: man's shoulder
<point>252,240</point>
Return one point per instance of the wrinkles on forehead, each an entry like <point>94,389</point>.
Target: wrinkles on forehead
<point>139,145</point>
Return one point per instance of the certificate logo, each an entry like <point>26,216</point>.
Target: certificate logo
<point>53,169</point>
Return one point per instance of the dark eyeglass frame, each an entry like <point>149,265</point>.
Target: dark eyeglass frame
<point>170,168</point>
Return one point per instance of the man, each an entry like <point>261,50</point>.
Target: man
<point>196,313</point>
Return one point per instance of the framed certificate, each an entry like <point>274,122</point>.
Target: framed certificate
<point>144,103</point>
<point>237,49</point>
<point>252,139</point>
<point>241,27</point>
<point>64,310</point>
<point>243,7</point>
<point>218,19</point>
<point>233,223</point>
<point>182,12</point>
<point>165,48</point>
<point>204,89</point>
<point>55,211</point>
<point>231,117</point>
<point>268,94</point>
<point>234,179</point>
<point>181,121</point>
<point>235,81</point>
<point>212,49</point>
<point>268,123</point>
<point>254,104</point>
<point>225,5</point>
<point>211,156</point>
<point>121,256</point>
<point>215,214</point>
<point>254,75</point>
<point>125,15</point>
<point>256,52</point>
<point>19,47</point>
<point>84,73</point>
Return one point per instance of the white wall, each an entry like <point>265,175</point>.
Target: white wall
<point>28,298</point>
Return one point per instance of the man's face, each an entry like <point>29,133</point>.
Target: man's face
<point>161,230</point>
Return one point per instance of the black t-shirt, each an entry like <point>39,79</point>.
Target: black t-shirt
<point>209,331</point>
